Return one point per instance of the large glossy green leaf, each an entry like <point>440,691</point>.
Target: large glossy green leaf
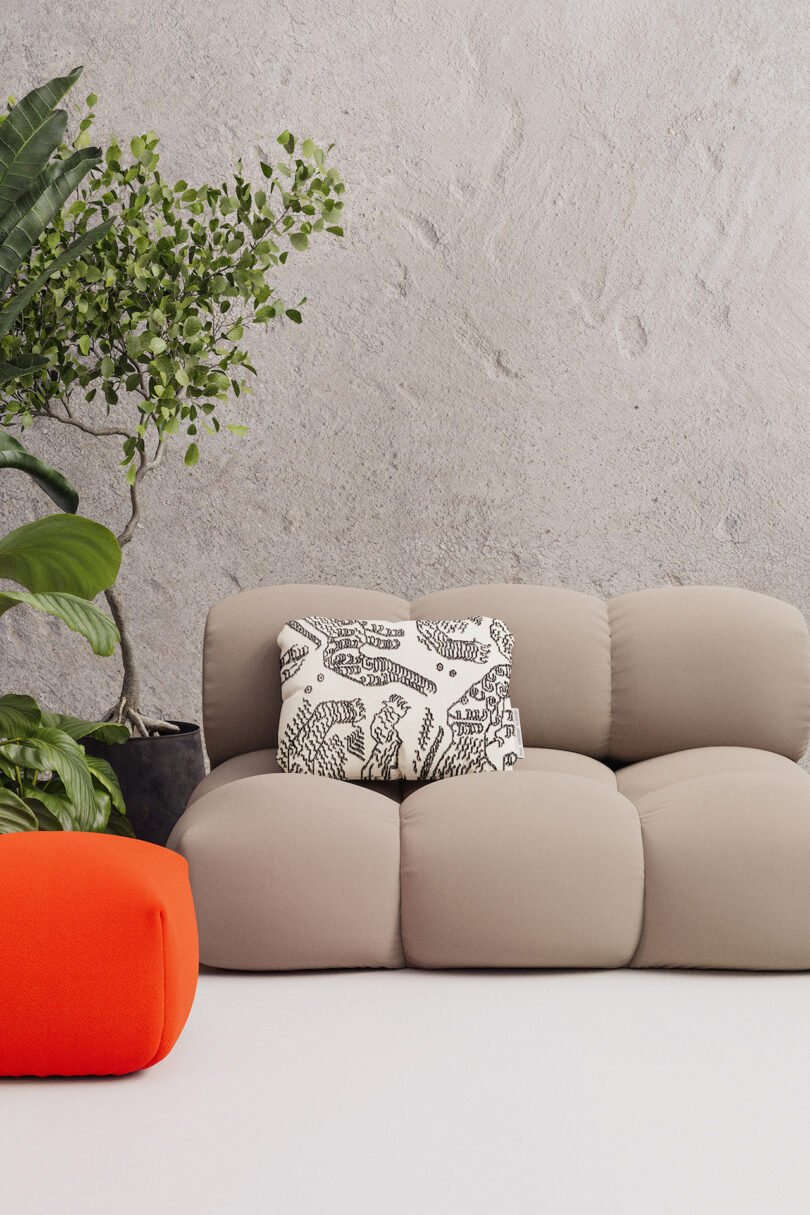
<point>61,553</point>
<point>117,824</point>
<point>104,775</point>
<point>30,133</point>
<point>54,799</point>
<point>78,728</point>
<point>15,815</point>
<point>52,750</point>
<point>46,821</point>
<point>79,615</point>
<point>57,487</point>
<point>18,714</point>
<point>32,210</point>
<point>31,213</point>
<point>22,365</point>
<point>22,299</point>
<point>51,801</point>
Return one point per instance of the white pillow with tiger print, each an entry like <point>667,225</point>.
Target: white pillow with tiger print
<point>371,700</point>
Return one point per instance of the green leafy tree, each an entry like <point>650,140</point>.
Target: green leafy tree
<point>142,336</point>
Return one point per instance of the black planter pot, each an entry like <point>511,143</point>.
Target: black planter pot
<point>157,777</point>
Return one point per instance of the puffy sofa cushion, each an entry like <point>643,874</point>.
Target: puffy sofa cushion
<point>726,836</point>
<point>264,763</point>
<point>703,666</point>
<point>540,869</point>
<point>294,872</point>
<point>98,954</point>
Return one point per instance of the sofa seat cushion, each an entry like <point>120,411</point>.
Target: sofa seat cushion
<point>535,759</point>
<point>636,780</point>
<point>526,869</point>
<point>726,836</point>
<point>263,763</point>
<point>570,763</point>
<point>293,872</point>
<point>544,759</point>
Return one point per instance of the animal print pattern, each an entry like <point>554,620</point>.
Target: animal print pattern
<point>434,700</point>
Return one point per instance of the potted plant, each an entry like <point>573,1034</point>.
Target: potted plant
<point>142,341</point>
<point>48,782</point>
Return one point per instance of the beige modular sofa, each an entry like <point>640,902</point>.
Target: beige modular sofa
<point>659,817</point>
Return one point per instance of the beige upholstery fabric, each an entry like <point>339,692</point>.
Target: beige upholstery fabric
<point>520,869</point>
<point>707,667</point>
<point>727,861</point>
<point>293,872</point>
<point>241,681</point>
<point>254,763</point>
<point>560,663</point>
<point>637,780</point>
<point>540,759</point>
<point>262,763</point>
<point>644,675</point>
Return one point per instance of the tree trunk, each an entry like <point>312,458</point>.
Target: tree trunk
<point>131,683</point>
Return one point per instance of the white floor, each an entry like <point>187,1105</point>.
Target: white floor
<point>413,1092</point>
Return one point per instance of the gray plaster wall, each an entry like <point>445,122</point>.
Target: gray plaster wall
<point>565,339</point>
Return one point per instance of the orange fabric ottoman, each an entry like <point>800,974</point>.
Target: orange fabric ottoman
<point>98,953</point>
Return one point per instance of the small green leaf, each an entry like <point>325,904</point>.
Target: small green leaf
<point>191,326</point>
<point>107,367</point>
<point>84,344</point>
<point>336,231</point>
<point>236,430</point>
<point>299,240</point>
<point>294,315</point>
<point>308,149</point>
<point>266,169</point>
<point>137,147</point>
<point>192,455</point>
<point>287,141</point>
<point>92,100</point>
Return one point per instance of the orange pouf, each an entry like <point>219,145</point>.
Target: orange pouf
<point>98,953</point>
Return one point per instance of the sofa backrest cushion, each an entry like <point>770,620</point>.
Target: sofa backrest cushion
<point>241,675</point>
<point>645,674</point>
<point>560,664</point>
<point>707,666</point>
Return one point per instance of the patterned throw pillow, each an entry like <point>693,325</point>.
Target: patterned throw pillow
<point>420,700</point>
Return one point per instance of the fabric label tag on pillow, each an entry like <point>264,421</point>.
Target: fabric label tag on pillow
<point>418,700</point>
<point>518,732</point>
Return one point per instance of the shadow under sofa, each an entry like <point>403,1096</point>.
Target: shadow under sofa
<point>658,818</point>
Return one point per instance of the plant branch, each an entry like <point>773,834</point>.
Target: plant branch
<point>135,504</point>
<point>97,431</point>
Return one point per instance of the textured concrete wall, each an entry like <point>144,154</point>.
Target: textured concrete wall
<point>565,339</point>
